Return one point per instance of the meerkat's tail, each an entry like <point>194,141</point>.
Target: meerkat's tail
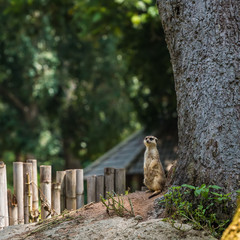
<point>155,193</point>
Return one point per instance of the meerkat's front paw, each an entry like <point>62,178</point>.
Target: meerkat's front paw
<point>155,193</point>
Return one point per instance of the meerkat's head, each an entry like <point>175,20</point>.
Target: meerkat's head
<point>150,141</point>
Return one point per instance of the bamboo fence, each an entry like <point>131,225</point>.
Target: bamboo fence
<point>31,201</point>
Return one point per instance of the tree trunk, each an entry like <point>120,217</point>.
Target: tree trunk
<point>203,39</point>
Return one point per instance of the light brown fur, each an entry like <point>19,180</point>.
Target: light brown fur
<point>154,176</point>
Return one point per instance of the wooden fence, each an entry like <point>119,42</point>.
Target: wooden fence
<point>66,192</point>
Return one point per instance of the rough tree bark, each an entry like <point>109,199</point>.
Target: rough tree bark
<point>203,38</point>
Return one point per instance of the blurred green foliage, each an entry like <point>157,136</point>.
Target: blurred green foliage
<point>77,76</point>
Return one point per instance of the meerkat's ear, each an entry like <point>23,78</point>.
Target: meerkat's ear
<point>156,139</point>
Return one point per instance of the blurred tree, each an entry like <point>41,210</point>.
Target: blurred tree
<point>137,29</point>
<point>70,71</point>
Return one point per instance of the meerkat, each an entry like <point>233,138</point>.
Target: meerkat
<point>154,176</point>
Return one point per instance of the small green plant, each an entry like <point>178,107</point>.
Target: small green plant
<point>115,203</point>
<point>208,209</point>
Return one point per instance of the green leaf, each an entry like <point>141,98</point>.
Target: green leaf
<point>189,186</point>
<point>197,192</point>
<point>216,194</point>
<point>214,187</point>
<point>97,17</point>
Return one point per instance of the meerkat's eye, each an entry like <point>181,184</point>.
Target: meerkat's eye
<point>151,139</point>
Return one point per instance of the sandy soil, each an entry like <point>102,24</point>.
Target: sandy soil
<point>142,206</point>
<point>93,222</point>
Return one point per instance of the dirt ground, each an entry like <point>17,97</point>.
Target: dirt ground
<point>142,206</point>
<point>93,222</point>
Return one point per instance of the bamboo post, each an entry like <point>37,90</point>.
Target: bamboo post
<point>9,198</point>
<point>12,209</point>
<point>56,198</point>
<point>6,200</point>
<point>109,179</point>
<point>18,189</point>
<point>45,186</point>
<point>144,188</point>
<point>4,220</point>
<point>34,184</point>
<point>14,217</point>
<point>79,188</point>
<point>71,189</point>
<point>91,189</point>
<point>99,187</point>
<point>2,199</point>
<point>61,178</point>
<point>120,181</point>
<point>27,185</point>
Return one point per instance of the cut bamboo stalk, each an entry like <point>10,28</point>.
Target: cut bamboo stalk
<point>4,220</point>
<point>12,209</point>
<point>80,188</point>
<point>14,216</point>
<point>99,187</point>
<point>2,199</point>
<point>91,189</point>
<point>27,184</point>
<point>34,185</point>
<point>109,179</point>
<point>120,181</point>
<point>144,188</point>
<point>61,178</point>
<point>71,202</point>
<point>45,186</point>
<point>9,197</point>
<point>18,189</point>
<point>6,200</point>
<point>56,196</point>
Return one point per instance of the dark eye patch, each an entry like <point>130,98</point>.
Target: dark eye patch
<point>151,139</point>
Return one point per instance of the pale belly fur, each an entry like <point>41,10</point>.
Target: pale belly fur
<point>154,176</point>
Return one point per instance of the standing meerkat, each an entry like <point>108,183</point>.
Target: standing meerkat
<point>154,176</point>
